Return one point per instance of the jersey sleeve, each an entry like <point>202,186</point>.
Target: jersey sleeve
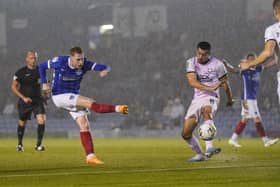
<point>259,68</point>
<point>17,76</point>
<point>50,64</point>
<point>221,70</point>
<point>92,66</point>
<point>269,34</point>
<point>190,66</point>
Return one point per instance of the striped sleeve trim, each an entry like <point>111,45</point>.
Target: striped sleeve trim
<point>270,40</point>
<point>191,72</point>
<point>93,66</point>
<point>49,64</point>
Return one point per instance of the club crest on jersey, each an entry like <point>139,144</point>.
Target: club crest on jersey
<point>211,70</point>
<point>79,72</point>
<point>54,59</point>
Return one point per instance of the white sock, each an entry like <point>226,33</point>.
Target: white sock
<point>91,155</point>
<point>234,137</point>
<point>117,108</point>
<point>208,144</point>
<point>265,139</point>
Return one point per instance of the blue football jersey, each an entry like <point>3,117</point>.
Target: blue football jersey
<point>67,79</point>
<point>251,82</point>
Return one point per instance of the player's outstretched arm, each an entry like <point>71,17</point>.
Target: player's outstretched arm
<point>102,68</point>
<point>230,67</point>
<point>267,52</point>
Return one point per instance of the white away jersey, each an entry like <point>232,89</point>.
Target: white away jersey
<point>208,74</point>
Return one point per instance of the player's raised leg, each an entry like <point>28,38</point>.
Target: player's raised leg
<point>86,102</point>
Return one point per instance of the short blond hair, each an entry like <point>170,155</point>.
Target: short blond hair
<point>76,49</point>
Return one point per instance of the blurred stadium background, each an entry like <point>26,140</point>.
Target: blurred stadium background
<point>146,42</point>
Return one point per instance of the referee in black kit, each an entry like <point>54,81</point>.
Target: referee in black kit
<point>26,86</point>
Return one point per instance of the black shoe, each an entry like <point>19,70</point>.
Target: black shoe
<point>39,148</point>
<point>211,151</point>
<point>20,148</point>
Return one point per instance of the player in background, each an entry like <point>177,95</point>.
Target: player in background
<point>26,86</point>
<point>205,74</point>
<point>272,43</point>
<point>250,110</point>
<point>68,74</point>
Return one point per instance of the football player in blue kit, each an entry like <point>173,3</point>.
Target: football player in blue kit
<point>67,76</point>
<point>250,110</point>
<point>271,46</point>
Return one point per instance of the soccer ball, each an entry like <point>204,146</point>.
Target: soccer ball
<point>207,131</point>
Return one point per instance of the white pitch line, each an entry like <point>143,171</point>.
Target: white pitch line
<point>129,171</point>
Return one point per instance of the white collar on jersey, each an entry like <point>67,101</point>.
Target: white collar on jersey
<point>69,64</point>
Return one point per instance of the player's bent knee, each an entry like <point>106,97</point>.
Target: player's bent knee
<point>41,121</point>
<point>185,135</point>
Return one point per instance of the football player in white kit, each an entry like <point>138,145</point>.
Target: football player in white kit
<point>205,74</point>
<point>272,44</point>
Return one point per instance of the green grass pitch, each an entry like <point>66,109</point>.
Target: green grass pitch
<point>155,162</point>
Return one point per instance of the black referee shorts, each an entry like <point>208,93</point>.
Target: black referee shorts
<point>25,109</point>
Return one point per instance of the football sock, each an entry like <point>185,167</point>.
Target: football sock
<point>193,143</point>
<point>89,156</point>
<point>87,142</point>
<point>102,108</point>
<point>20,133</point>
<point>239,127</point>
<point>40,133</point>
<point>208,144</point>
<point>265,139</point>
<point>260,129</point>
<point>234,136</point>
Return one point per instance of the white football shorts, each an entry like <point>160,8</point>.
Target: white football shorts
<point>197,104</point>
<point>68,102</point>
<point>250,109</point>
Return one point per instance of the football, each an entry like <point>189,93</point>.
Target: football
<point>207,131</point>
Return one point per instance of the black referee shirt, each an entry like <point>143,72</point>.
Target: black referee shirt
<point>29,80</point>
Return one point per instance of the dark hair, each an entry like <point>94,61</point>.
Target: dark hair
<point>276,4</point>
<point>76,49</point>
<point>204,45</point>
